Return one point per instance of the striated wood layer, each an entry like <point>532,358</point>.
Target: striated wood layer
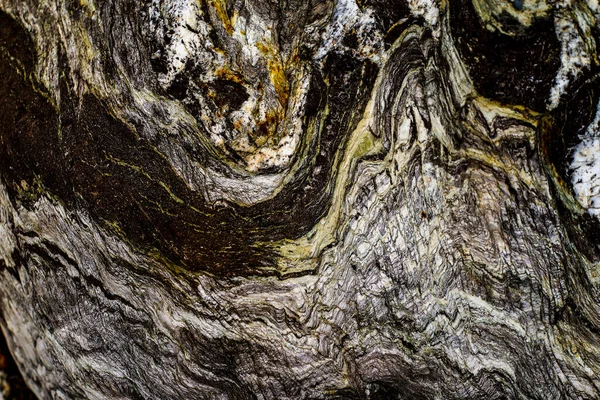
<point>301,199</point>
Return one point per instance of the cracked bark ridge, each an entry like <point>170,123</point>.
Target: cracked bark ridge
<point>299,199</point>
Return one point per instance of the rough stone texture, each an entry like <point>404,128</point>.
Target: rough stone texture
<point>324,199</point>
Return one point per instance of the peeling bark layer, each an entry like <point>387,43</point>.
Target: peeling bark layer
<point>301,199</point>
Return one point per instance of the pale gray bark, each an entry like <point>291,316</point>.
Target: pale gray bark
<point>297,199</point>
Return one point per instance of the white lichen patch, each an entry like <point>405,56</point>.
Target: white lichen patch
<point>594,7</point>
<point>576,54</point>
<point>188,34</point>
<point>347,16</point>
<point>247,59</point>
<point>585,169</point>
<point>427,9</point>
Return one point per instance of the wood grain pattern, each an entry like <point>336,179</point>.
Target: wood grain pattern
<point>324,199</point>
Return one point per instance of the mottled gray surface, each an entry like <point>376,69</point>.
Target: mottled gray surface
<point>443,256</point>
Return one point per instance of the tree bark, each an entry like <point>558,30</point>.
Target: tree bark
<point>324,199</point>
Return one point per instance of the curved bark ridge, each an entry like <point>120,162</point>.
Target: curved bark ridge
<point>156,123</point>
<point>283,200</point>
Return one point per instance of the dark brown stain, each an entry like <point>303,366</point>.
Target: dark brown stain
<point>517,69</point>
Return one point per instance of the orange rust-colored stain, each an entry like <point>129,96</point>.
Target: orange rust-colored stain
<point>267,128</point>
<point>237,124</point>
<point>276,73</point>
<point>220,7</point>
<point>228,74</point>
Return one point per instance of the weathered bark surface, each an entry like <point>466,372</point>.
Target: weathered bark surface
<point>300,199</point>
